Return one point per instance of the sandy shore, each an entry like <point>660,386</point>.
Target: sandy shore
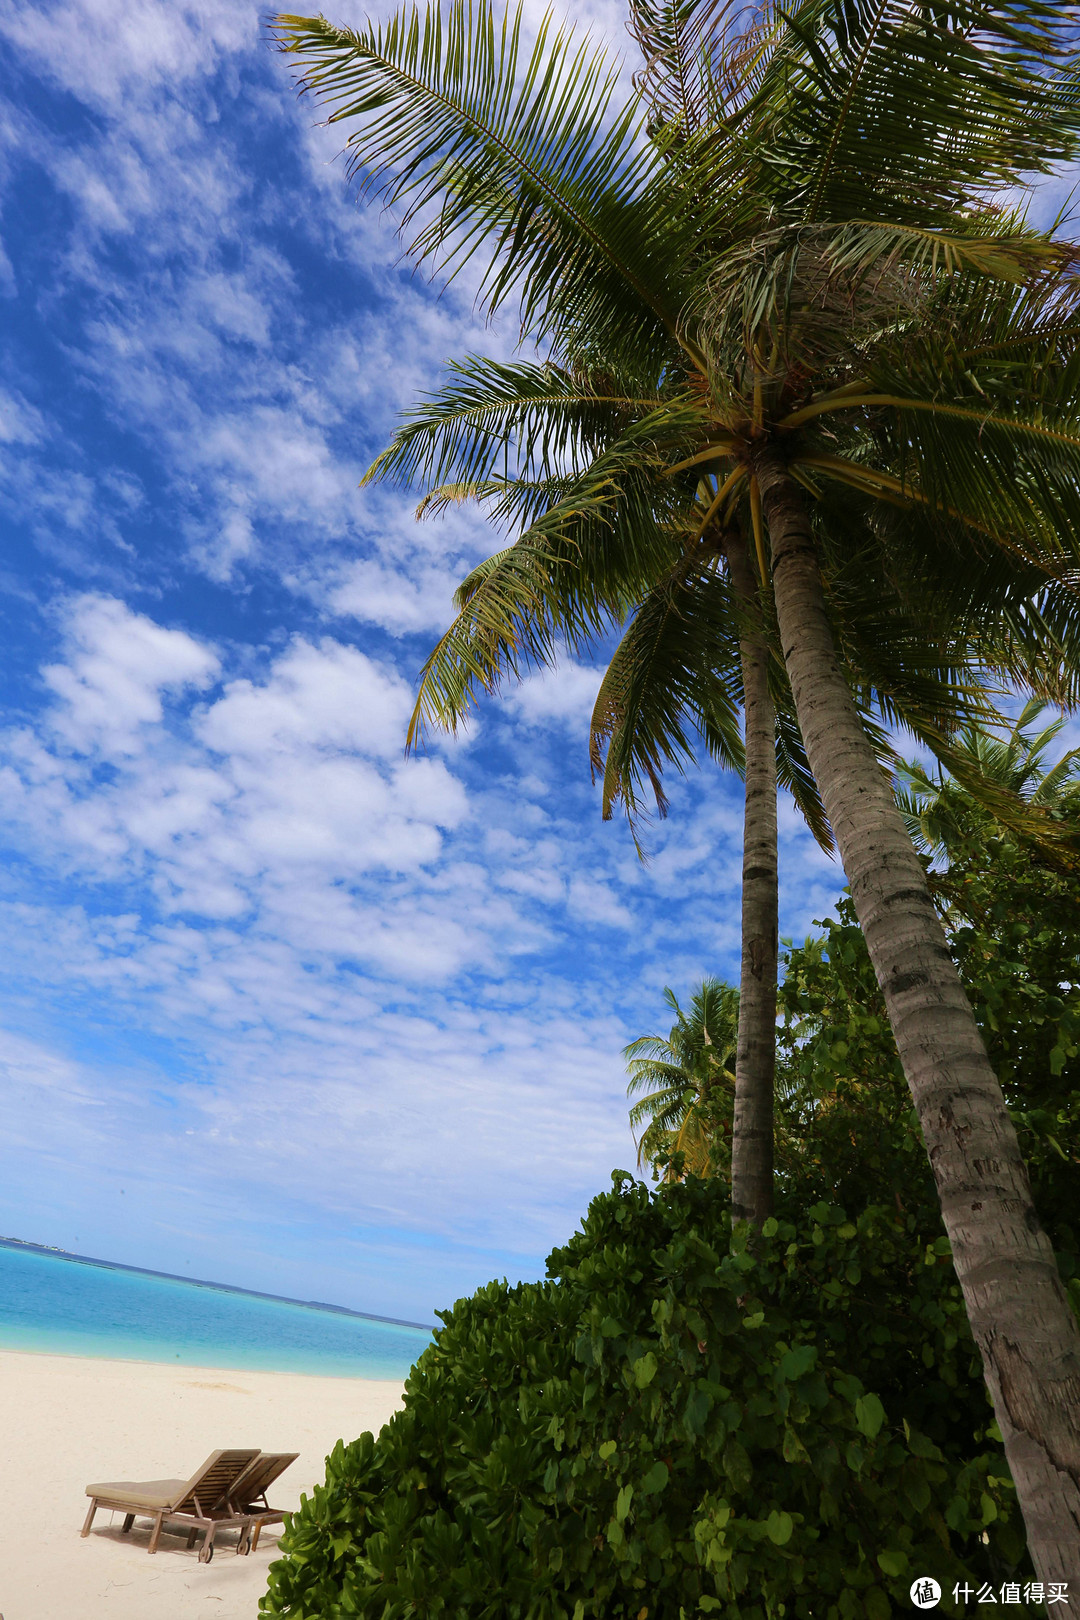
<point>65,1421</point>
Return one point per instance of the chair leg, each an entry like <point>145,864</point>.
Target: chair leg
<point>206,1551</point>
<point>90,1516</point>
<point>129,1520</point>
<point>155,1534</point>
<point>254,1540</point>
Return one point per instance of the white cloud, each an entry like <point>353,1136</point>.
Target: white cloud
<point>328,696</point>
<point>298,772</point>
<point>262,407</point>
<point>596,903</point>
<point>567,694</point>
<point>348,938</point>
<point>375,593</point>
<point>103,55</point>
<point>20,422</point>
<point>119,665</point>
<point>8,287</point>
<point>26,1064</point>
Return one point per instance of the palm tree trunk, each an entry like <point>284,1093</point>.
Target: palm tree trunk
<point>755,1060</point>
<point>1027,1335</point>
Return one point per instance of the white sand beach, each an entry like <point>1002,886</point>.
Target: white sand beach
<point>65,1422</point>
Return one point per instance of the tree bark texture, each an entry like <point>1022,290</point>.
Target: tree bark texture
<point>1021,1320</point>
<point>755,1060</point>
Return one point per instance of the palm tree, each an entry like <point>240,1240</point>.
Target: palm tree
<point>935,806</point>
<point>827,299</point>
<point>684,1084</point>
<point>692,648</point>
<point>695,642</point>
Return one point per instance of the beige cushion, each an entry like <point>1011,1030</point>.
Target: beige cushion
<point>148,1493</point>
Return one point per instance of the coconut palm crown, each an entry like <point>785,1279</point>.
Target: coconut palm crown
<point>1013,759</point>
<point>684,1084</point>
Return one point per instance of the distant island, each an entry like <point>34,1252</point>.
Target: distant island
<point>201,1282</point>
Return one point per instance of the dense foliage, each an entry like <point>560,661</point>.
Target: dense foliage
<point>847,1131</point>
<point>667,1428</point>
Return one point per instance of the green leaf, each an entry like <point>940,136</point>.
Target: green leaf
<point>697,1410</point>
<point>607,1449</point>
<point>737,1464</point>
<point>644,1369</point>
<point>920,1446</point>
<point>770,1227</point>
<point>957,1513</point>
<point>778,1527</point>
<point>622,1503</point>
<point>893,1563</point>
<point>869,1415</point>
<point>794,1450</point>
<point>798,1361</point>
<point>655,1479</point>
<point>877,1605</point>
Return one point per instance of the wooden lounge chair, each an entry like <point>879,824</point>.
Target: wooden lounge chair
<point>203,1502</point>
<point>249,1493</point>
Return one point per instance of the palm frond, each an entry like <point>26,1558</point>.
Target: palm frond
<point>573,575</point>
<point>676,1079</point>
<point>703,60</point>
<point>917,107</point>
<point>672,682</point>
<point>536,419</point>
<point>793,769</point>
<point>489,148</point>
<point>1002,775</point>
<point>508,502</point>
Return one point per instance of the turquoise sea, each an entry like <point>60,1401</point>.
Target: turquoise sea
<point>68,1306</point>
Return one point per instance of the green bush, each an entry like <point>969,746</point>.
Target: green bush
<point>667,1428</point>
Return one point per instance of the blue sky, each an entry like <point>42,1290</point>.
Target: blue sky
<point>278,1006</point>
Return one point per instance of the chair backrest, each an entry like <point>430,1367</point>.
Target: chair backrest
<point>259,1475</point>
<point>211,1488</point>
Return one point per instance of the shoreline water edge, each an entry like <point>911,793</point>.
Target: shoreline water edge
<point>55,1303</point>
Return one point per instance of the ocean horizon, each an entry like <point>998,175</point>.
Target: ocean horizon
<point>58,1303</point>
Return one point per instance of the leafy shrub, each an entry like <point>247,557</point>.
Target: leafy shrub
<point>667,1428</point>
<point>847,1131</point>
